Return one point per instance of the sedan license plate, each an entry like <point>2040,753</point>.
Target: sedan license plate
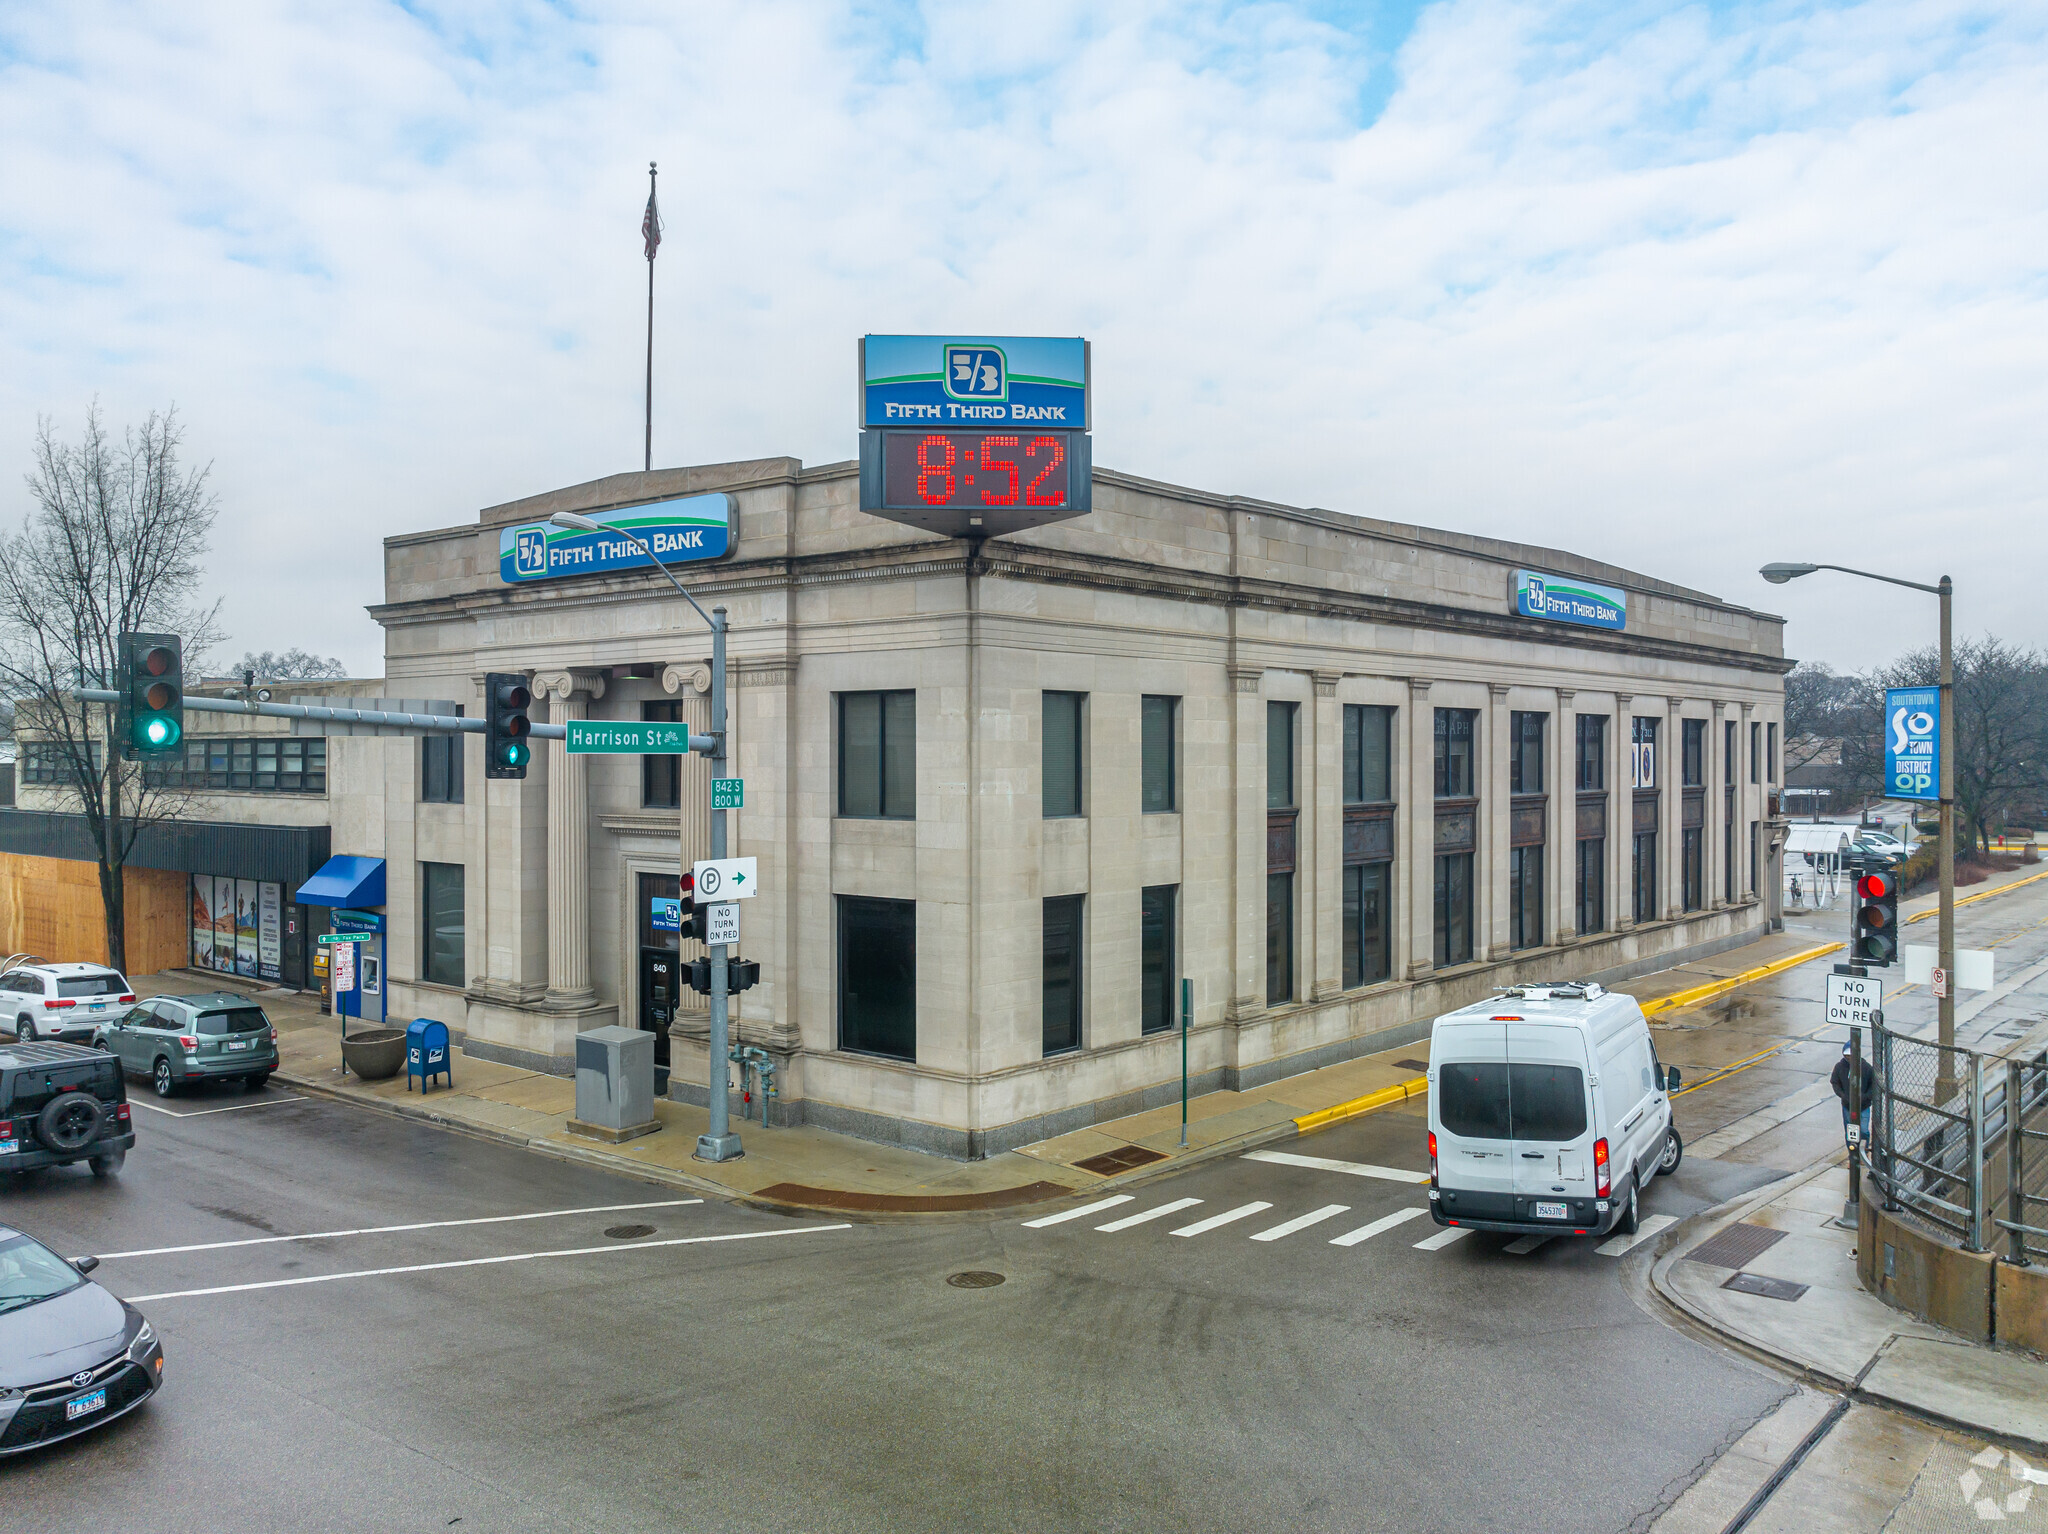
<point>84,1406</point>
<point>1553,1211</point>
<point>240,1043</point>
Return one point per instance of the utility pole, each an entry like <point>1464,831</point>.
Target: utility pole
<point>1945,1066</point>
<point>718,1142</point>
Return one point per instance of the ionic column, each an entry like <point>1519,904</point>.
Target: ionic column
<point>569,989</point>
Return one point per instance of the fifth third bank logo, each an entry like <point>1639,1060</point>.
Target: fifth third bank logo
<point>530,552</point>
<point>977,372</point>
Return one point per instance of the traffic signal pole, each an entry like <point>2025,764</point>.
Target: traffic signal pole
<point>718,1142</point>
<point>1945,939</point>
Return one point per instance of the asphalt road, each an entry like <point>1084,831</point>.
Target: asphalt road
<point>738,1370</point>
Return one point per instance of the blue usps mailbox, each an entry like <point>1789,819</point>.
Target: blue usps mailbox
<point>426,1053</point>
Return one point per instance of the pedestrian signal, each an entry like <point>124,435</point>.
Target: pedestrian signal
<point>1875,939</point>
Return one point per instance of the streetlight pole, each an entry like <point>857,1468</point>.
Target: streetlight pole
<point>1945,939</point>
<point>718,1142</point>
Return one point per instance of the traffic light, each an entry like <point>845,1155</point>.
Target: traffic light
<point>507,747</point>
<point>152,687</point>
<point>691,921</point>
<point>740,975</point>
<point>1875,938</point>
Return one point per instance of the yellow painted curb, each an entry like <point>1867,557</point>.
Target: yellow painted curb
<point>1701,993</point>
<point>1980,895</point>
<point>1400,1092</point>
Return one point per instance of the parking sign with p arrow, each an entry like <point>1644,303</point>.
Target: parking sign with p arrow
<point>724,879</point>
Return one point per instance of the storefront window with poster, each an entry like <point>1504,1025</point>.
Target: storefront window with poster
<point>238,927</point>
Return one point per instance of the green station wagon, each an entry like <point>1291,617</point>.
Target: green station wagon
<point>177,1040</point>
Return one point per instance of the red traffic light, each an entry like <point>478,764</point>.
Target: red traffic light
<point>159,660</point>
<point>1875,886</point>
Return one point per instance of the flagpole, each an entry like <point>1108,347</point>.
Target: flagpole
<point>647,458</point>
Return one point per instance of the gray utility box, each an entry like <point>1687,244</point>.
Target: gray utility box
<point>614,1084</point>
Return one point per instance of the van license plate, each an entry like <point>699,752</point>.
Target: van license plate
<point>85,1406</point>
<point>1553,1211</point>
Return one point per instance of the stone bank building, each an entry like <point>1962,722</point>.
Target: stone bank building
<point>1005,795</point>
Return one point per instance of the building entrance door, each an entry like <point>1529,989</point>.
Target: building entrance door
<point>660,966</point>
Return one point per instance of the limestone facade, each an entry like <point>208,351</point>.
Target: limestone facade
<point>1223,603</point>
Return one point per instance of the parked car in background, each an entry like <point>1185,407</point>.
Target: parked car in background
<point>60,1001</point>
<point>1882,843</point>
<point>72,1356</point>
<point>62,1103</point>
<point>178,1040</point>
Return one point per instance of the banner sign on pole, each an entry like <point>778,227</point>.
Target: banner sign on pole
<point>682,531</point>
<point>1912,743</point>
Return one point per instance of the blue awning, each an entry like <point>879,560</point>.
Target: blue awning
<point>345,881</point>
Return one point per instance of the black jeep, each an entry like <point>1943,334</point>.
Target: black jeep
<point>61,1103</point>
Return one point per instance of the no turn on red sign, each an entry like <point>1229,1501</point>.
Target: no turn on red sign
<point>1852,998</point>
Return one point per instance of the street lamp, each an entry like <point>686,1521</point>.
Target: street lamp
<point>718,1142</point>
<point>1945,1080</point>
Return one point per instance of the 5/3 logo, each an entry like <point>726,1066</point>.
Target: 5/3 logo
<point>977,373</point>
<point>530,552</point>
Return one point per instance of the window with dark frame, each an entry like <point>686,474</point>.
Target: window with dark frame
<point>1589,874</point>
<point>1060,754</point>
<point>441,924</point>
<point>1525,752</point>
<point>878,976</point>
<point>1280,864</point>
<point>878,755</point>
<point>1454,778</point>
<point>1368,923</point>
<point>1756,746</point>
<point>1279,938</point>
<point>1771,753</point>
<point>440,768</point>
<point>1279,756</point>
<point>1368,753</point>
<point>1158,971</point>
<point>1692,867</point>
<point>1693,753</point>
<point>1592,884</point>
<point>1061,993</point>
<point>1525,897</point>
<point>1160,788</point>
<point>1591,730</point>
<point>661,776</point>
<point>263,764</point>
<point>1453,902</point>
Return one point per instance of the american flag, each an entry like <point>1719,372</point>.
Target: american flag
<point>650,225</point>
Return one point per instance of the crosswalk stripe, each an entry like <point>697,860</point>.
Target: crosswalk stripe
<point>1614,1246</point>
<point>1524,1245</point>
<point>1074,1214</point>
<point>1325,1164</point>
<point>1302,1222</point>
<point>1367,1232</point>
<point>1224,1218</point>
<point>1150,1214</point>
<point>1443,1238</point>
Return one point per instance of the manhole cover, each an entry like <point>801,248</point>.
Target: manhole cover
<point>1769,1288</point>
<point>629,1232</point>
<point>975,1280</point>
<point>1736,1246</point>
<point>1122,1159</point>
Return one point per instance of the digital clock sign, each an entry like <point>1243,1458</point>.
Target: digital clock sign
<point>976,484</point>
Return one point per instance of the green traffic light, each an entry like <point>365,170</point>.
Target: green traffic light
<point>158,732</point>
<point>513,755</point>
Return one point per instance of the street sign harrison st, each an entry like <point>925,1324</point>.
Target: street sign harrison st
<point>606,737</point>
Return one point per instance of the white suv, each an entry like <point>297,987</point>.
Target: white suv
<point>61,1001</point>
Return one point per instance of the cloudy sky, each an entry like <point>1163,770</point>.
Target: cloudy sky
<point>1685,287</point>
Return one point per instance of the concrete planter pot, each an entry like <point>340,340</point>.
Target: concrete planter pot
<point>375,1055</point>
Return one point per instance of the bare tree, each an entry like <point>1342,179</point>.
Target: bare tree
<point>292,666</point>
<point>114,542</point>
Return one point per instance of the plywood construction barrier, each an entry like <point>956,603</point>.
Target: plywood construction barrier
<point>51,907</point>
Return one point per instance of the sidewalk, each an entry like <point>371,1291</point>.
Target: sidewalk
<point>811,1168</point>
<point>1813,1313</point>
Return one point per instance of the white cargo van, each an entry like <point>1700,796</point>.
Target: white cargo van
<point>1548,1112</point>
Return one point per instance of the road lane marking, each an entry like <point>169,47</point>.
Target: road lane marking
<point>1524,1245</point>
<point>1324,1164</point>
<point>200,1113</point>
<point>1302,1222</point>
<point>1385,1222</point>
<point>1224,1218</point>
<point>386,1230</point>
<point>1614,1246</point>
<point>1074,1214</point>
<point>1158,1213</point>
<point>481,1262</point>
<point>1443,1238</point>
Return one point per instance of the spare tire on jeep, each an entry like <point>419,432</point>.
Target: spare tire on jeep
<point>70,1122</point>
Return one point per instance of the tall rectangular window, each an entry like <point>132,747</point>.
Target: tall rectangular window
<point>1592,884</point>
<point>1756,738</point>
<point>1061,753</point>
<point>1693,753</point>
<point>1454,778</point>
<point>1752,856</point>
<point>1643,876</point>
<point>1642,768</point>
<point>1693,867</point>
<point>1771,754</point>
<point>1061,995</point>
<point>1368,923</point>
<point>440,768</point>
<point>1525,753</point>
<point>441,956</point>
<point>1453,908</point>
<point>1525,897</point>
<point>1728,754</point>
<point>1368,754</point>
<point>1592,753</point>
<point>1279,938</point>
<point>1157,971</point>
<point>1728,851</point>
<point>1279,756</point>
<point>661,777</point>
<point>878,976</point>
<point>878,755</point>
<point>1160,788</point>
